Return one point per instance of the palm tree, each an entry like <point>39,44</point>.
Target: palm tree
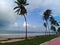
<point>21,10</point>
<point>46,15</point>
<point>54,23</point>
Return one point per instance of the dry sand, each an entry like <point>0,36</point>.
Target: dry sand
<point>13,40</point>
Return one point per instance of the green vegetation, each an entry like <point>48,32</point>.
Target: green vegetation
<point>35,41</point>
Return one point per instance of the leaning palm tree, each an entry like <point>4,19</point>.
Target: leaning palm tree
<point>46,15</point>
<point>21,10</point>
<point>54,23</point>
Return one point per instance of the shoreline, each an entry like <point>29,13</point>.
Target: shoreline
<point>17,36</point>
<point>9,40</point>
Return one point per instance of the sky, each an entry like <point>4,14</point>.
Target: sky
<point>9,20</point>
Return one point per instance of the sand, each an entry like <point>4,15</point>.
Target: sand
<point>13,40</point>
<point>8,40</point>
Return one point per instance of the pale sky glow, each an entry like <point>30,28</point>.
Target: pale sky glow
<point>8,18</point>
<point>29,26</point>
<point>24,24</point>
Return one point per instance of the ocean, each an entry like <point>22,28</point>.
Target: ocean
<point>16,34</point>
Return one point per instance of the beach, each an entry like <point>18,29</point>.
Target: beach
<point>6,38</point>
<point>12,37</point>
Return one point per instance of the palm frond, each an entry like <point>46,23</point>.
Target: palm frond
<point>17,11</point>
<point>21,10</point>
<point>26,4</point>
<point>53,21</point>
<point>16,7</point>
<point>45,25</point>
<point>20,1</point>
<point>53,28</point>
<point>17,2</point>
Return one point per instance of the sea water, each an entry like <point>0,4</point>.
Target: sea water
<point>16,34</point>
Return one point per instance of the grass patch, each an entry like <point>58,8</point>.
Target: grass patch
<point>34,41</point>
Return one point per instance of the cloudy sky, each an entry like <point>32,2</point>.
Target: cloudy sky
<point>9,20</point>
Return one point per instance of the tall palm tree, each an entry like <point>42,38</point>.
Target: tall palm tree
<point>46,15</point>
<point>21,10</point>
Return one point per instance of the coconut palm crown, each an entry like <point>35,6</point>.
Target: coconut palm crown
<point>20,9</point>
<point>46,14</point>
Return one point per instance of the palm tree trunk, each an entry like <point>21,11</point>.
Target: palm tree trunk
<point>48,29</point>
<point>46,26</point>
<point>26,26</point>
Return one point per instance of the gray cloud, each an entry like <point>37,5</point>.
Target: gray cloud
<point>7,15</point>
